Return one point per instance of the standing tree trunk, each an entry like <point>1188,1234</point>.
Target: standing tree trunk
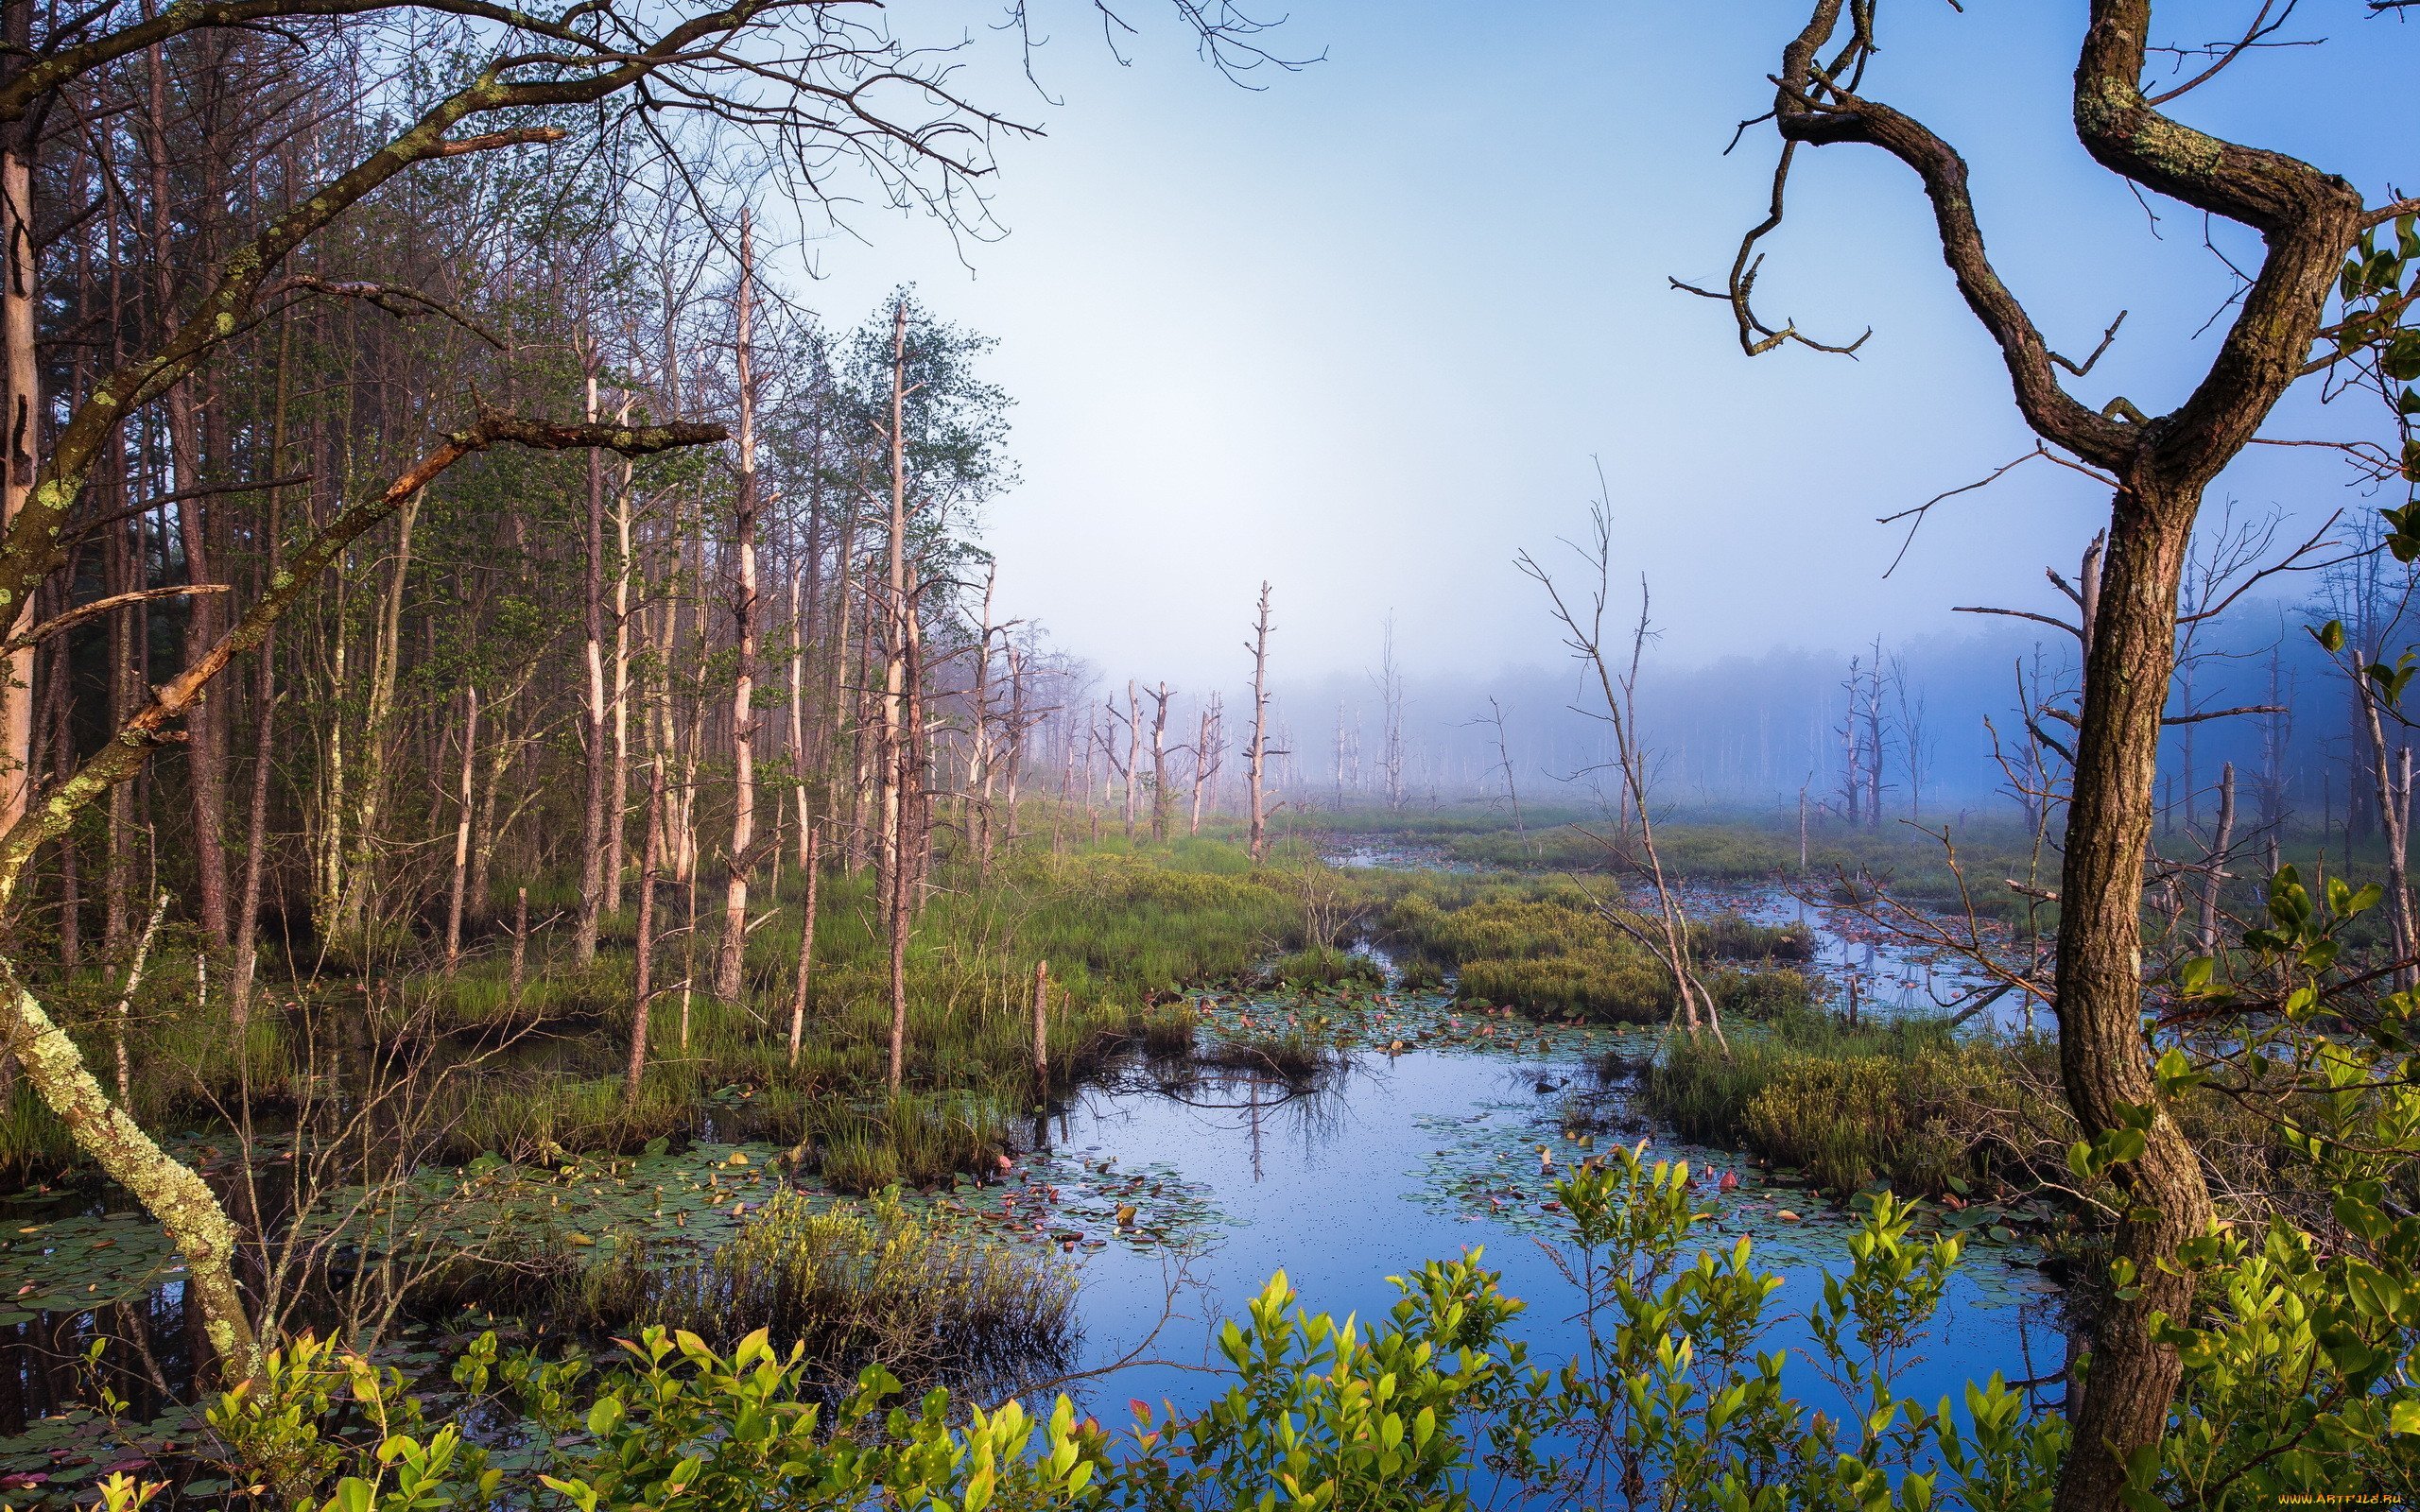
<point>1042,1034</point>
<point>599,756</point>
<point>811,865</point>
<point>21,389</point>
<point>1257,762</point>
<point>799,763</point>
<point>618,802</point>
<point>2395,806</point>
<point>2308,221</point>
<point>1133,767</point>
<point>2213,872</point>
<point>462,830</point>
<point>642,970</point>
<point>248,909</point>
<point>1163,795</point>
<point>899,611</point>
<point>975,807</point>
<point>729,969</point>
<point>1012,758</point>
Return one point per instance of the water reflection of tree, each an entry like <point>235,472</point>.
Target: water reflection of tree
<point>1312,1109</point>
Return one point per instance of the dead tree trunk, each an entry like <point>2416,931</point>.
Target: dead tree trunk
<point>1042,1034</point>
<point>1134,754</point>
<point>812,865</point>
<point>729,968</point>
<point>618,800</point>
<point>894,888</point>
<point>1256,764</point>
<point>600,758</point>
<point>1163,795</point>
<point>2213,872</point>
<point>1209,742</point>
<point>643,969</point>
<point>462,831</point>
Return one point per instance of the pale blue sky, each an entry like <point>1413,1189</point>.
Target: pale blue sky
<point>1360,332</point>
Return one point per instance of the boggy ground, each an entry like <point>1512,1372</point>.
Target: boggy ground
<point>413,1142</point>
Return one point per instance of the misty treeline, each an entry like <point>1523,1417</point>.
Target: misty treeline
<point>1888,730</point>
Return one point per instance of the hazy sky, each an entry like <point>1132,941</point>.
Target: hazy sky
<point>1361,330</point>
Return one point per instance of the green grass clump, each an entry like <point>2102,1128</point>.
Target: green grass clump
<point>1904,1103</point>
<point>859,1285</point>
<point>1293,1055</point>
<point>1319,966</point>
<point>1167,1032</point>
<point>1731,938</point>
<point>914,1139</point>
<point>1546,947</point>
<point>1598,981</point>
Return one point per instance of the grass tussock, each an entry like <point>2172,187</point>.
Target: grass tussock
<point>1544,947</point>
<point>1324,965</point>
<point>1905,1103</point>
<point>1293,1055</point>
<point>859,1285</point>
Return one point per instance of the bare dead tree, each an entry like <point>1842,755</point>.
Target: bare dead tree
<point>1390,681</point>
<point>1209,750</point>
<point>1504,765</point>
<point>1667,936</point>
<point>1162,791</point>
<point>1256,755</point>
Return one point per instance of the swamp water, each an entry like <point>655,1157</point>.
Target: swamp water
<point>1422,1152</point>
<point>1171,1188</point>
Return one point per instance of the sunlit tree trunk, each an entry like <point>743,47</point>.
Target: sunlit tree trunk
<point>730,968</point>
<point>643,969</point>
<point>599,765</point>
<point>21,395</point>
<point>617,807</point>
<point>463,829</point>
<point>899,613</point>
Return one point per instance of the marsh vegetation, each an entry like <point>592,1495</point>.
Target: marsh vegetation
<point>566,942</point>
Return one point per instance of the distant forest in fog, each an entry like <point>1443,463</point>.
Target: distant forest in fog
<point>1748,733</point>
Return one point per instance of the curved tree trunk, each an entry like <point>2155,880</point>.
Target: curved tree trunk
<point>2102,1059</point>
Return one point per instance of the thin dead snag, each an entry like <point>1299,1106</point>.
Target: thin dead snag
<point>1163,794</point>
<point>1257,755</point>
<point>643,947</point>
<point>592,603</point>
<point>811,863</point>
<point>170,1191</point>
<point>1512,793</point>
<point>1209,745</point>
<point>2308,221</point>
<point>1667,936</point>
<point>462,830</point>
